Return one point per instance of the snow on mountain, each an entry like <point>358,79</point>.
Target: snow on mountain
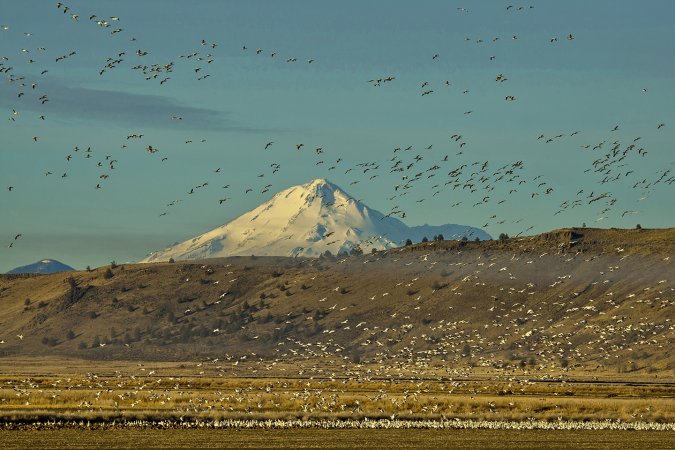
<point>307,220</point>
<point>43,266</point>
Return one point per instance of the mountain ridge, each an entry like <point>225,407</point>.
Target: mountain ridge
<point>43,266</point>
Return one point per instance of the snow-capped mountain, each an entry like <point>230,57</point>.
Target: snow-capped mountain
<point>43,266</point>
<point>307,220</point>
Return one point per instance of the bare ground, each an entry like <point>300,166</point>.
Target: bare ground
<point>337,439</point>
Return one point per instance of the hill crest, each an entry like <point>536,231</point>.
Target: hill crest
<point>601,301</point>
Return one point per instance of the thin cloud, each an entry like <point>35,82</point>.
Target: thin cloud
<point>122,108</point>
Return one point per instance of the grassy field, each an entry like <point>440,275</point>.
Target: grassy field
<point>336,439</point>
<point>71,390</point>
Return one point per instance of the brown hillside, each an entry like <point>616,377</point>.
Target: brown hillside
<point>576,298</point>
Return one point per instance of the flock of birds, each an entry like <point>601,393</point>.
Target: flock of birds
<point>456,172</point>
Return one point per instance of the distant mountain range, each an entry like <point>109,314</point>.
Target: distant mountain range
<point>43,266</point>
<point>307,220</point>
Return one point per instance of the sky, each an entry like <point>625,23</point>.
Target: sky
<point>617,70</point>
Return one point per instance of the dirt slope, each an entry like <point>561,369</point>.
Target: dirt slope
<point>584,298</point>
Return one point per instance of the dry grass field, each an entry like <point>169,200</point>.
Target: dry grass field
<point>107,391</point>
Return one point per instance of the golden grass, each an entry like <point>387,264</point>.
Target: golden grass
<point>162,396</point>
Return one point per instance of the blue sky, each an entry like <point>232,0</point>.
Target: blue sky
<point>587,85</point>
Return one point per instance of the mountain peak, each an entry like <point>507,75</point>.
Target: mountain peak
<point>321,186</point>
<point>307,220</point>
<point>320,182</point>
<point>42,266</point>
